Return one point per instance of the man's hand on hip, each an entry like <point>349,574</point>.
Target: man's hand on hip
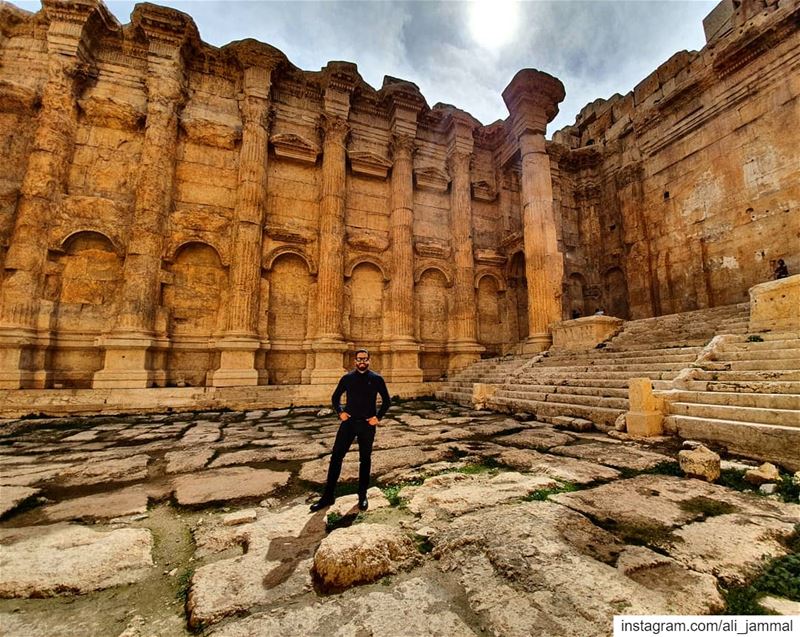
<point>373,421</point>
<point>344,416</point>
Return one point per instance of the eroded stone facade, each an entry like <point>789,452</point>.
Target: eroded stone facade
<point>174,214</point>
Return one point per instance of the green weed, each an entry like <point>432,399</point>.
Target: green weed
<point>543,494</point>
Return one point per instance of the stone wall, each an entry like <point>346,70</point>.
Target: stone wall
<point>689,183</point>
<point>175,214</point>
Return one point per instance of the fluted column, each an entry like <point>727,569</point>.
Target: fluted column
<point>328,345</point>
<point>240,342</point>
<point>127,348</point>
<point>42,187</point>
<point>532,99</point>
<point>401,287</point>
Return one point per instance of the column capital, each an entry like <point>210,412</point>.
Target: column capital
<point>339,80</point>
<point>532,99</point>
<point>167,30</point>
<point>402,146</point>
<point>255,111</point>
<point>459,163</point>
<point>334,128</point>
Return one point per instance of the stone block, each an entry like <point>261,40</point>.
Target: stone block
<point>584,333</point>
<point>775,305</point>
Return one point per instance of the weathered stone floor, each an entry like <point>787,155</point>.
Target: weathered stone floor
<point>168,525</point>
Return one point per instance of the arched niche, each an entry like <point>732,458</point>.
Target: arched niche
<point>615,293</point>
<point>195,302</point>
<point>288,306</point>
<point>84,292</point>
<point>431,311</point>
<point>364,291</point>
<point>576,304</point>
<point>491,327</point>
<point>271,257</point>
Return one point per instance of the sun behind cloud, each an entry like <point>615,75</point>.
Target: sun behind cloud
<point>493,23</point>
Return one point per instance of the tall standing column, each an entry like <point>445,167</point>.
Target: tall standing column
<point>532,98</point>
<point>42,188</point>
<point>127,348</point>
<point>240,342</point>
<point>340,79</point>
<point>463,346</point>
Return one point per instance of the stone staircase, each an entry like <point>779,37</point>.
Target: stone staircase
<point>747,398</point>
<point>458,389</point>
<point>593,385</point>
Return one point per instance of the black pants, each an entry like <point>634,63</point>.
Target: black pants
<point>349,430</point>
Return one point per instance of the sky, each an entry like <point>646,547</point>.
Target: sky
<point>463,52</point>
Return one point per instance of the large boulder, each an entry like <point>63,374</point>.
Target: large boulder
<point>363,553</point>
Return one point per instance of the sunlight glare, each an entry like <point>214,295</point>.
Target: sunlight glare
<point>493,23</point>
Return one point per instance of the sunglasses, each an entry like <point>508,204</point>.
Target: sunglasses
<point>361,360</point>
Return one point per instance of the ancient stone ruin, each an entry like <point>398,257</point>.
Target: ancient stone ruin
<point>174,214</point>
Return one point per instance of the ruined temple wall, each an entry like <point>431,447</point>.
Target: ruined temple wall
<point>90,224</point>
<point>703,155</point>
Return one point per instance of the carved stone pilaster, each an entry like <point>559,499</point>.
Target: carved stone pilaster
<point>240,342</point>
<point>43,186</point>
<point>127,348</point>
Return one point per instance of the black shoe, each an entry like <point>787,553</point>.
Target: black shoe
<point>363,503</point>
<point>321,504</point>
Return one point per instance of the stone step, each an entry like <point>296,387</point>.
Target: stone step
<point>655,352</point>
<point>777,444</point>
<point>782,417</point>
<point>548,410</point>
<point>649,344</point>
<point>753,365</point>
<point>613,358</point>
<point>607,392</point>
<point>455,397</point>
<point>747,376</point>
<point>790,354</point>
<point>545,377</point>
<point>571,399</point>
<point>758,387</point>
<point>738,399</point>
<point>609,367</point>
<point>768,336</point>
<point>767,345</point>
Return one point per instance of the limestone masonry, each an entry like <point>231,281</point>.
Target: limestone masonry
<point>174,214</point>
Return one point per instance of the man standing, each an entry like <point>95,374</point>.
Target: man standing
<point>359,418</point>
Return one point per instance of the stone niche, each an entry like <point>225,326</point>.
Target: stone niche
<point>175,214</point>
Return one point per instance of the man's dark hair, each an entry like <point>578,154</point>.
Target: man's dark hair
<point>360,351</point>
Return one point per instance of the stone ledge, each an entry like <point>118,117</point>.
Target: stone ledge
<point>61,402</point>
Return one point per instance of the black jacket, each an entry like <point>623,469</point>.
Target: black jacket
<point>362,390</point>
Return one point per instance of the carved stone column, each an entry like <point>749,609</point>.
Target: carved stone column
<point>127,349</point>
<point>405,103</point>
<point>329,345</point>
<point>42,187</point>
<point>340,79</point>
<point>463,346</point>
<point>240,342</point>
<point>532,98</point>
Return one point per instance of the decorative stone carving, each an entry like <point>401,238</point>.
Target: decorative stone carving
<point>431,178</point>
<point>368,240</point>
<point>482,190</point>
<point>294,147</point>
<point>432,248</point>
<point>489,256</point>
<point>369,164</point>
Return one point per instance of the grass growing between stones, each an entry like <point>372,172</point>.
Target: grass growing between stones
<point>787,489</point>
<point>706,507</point>
<point>779,577</point>
<point>651,535</point>
<point>543,494</point>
